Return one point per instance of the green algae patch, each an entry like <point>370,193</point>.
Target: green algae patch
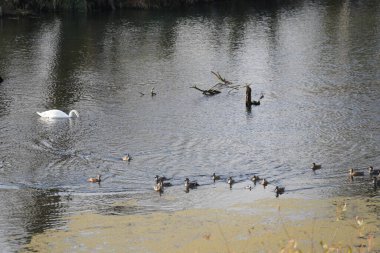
<point>287,225</point>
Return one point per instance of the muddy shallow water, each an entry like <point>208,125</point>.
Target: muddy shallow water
<point>261,226</point>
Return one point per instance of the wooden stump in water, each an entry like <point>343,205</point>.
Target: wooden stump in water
<point>248,101</point>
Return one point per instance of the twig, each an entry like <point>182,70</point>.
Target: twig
<point>209,92</point>
<point>225,81</point>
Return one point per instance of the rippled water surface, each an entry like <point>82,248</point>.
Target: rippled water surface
<point>316,62</point>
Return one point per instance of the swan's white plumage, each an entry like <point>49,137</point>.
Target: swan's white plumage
<point>58,114</point>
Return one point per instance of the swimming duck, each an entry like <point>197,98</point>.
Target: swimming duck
<point>264,182</point>
<point>255,179</point>
<point>127,158</point>
<point>162,181</point>
<point>376,183</point>
<point>316,166</point>
<point>158,187</point>
<point>95,179</point>
<point>255,102</point>
<point>215,177</point>
<point>373,172</point>
<point>190,185</point>
<point>230,181</point>
<point>152,92</point>
<point>279,190</point>
<point>353,173</point>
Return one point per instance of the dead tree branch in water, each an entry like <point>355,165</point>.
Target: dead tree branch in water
<point>209,92</point>
<point>222,84</point>
<point>223,80</point>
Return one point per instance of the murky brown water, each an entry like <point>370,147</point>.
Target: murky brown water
<point>317,63</point>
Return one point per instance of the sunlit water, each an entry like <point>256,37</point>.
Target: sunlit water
<point>317,64</point>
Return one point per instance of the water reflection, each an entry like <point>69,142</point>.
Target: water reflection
<point>26,212</point>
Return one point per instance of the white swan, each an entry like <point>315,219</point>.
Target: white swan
<point>57,114</point>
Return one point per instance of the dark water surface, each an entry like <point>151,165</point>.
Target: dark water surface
<point>317,63</point>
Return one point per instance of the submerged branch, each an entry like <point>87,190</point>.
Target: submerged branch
<point>222,79</point>
<point>209,92</point>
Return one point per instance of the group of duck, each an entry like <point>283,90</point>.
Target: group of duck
<point>354,173</point>
<point>161,181</point>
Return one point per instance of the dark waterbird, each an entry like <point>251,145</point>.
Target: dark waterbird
<point>190,185</point>
<point>215,177</point>
<point>316,167</point>
<point>230,182</point>
<point>264,182</point>
<point>255,179</point>
<point>373,172</point>
<point>1,79</point>
<point>279,190</point>
<point>162,181</point>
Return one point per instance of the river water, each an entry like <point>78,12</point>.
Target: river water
<point>316,62</point>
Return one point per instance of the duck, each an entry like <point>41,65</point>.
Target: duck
<point>161,180</point>
<point>279,190</point>
<point>373,172</point>
<point>127,158</point>
<point>158,187</point>
<point>96,179</point>
<point>230,181</point>
<point>215,177</point>
<point>264,182</point>
<point>255,102</point>
<point>57,114</point>
<point>152,92</point>
<point>255,179</point>
<point>316,166</point>
<point>353,173</point>
<point>376,183</point>
<point>190,185</point>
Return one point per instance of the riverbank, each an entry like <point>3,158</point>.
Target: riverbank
<point>29,7</point>
<point>268,225</point>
